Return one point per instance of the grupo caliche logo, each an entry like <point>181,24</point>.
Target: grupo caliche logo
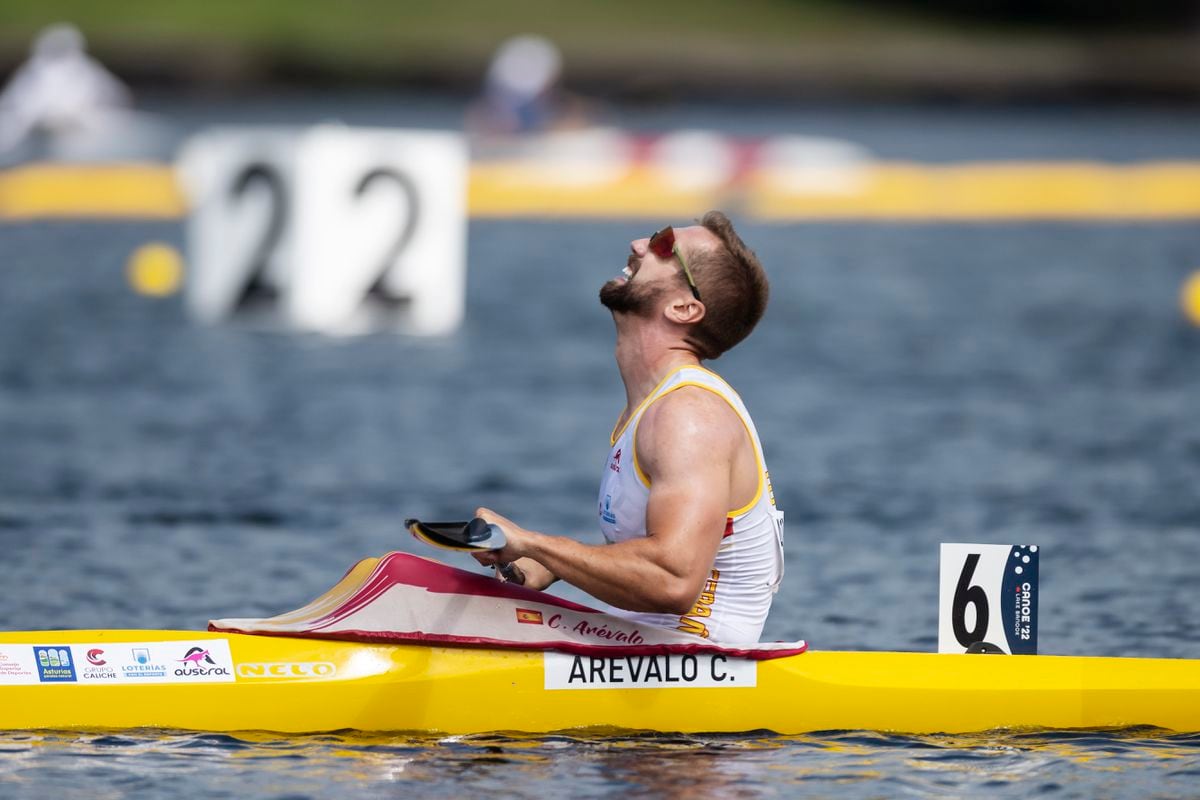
<point>97,667</point>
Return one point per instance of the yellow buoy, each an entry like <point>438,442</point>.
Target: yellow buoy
<point>1189,297</point>
<point>155,269</point>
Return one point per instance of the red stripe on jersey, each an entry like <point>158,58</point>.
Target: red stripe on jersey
<point>728,527</point>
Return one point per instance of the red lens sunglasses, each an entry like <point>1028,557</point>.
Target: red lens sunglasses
<point>662,244</point>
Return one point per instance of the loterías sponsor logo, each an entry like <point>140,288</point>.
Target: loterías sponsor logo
<point>586,629</point>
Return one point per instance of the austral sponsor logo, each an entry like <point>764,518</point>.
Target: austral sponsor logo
<point>199,663</point>
<point>705,670</point>
<point>287,669</point>
<point>54,663</point>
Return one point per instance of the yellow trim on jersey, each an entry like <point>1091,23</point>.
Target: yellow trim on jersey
<point>616,434</point>
<point>758,459</point>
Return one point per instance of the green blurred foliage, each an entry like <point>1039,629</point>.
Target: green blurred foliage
<point>634,48</point>
<point>253,39</point>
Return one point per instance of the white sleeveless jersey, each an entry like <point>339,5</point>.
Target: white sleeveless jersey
<point>749,565</point>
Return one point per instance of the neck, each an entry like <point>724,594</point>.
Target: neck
<point>645,357</point>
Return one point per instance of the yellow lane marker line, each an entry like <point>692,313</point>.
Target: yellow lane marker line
<point>877,190</point>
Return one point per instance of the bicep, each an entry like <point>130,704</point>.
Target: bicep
<point>689,462</point>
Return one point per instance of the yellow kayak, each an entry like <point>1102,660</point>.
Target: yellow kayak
<point>233,682</point>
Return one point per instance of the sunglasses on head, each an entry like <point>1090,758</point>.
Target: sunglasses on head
<point>662,244</point>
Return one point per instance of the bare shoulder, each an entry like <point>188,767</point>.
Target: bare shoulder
<point>689,422</point>
<point>692,406</point>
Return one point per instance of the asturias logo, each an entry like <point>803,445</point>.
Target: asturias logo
<point>195,659</point>
<point>54,664</point>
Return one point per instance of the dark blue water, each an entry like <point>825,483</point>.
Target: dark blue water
<point>914,384</point>
<point>1134,763</point>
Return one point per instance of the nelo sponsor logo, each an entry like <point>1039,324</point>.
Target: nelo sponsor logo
<point>287,669</point>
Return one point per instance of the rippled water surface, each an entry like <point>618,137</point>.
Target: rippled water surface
<point>1014,383</point>
<point>1135,763</point>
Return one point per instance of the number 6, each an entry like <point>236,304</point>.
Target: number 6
<point>965,594</point>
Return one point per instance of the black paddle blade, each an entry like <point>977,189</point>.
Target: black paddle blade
<point>474,535</point>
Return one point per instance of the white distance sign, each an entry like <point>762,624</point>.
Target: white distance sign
<point>239,233</point>
<point>381,231</point>
<point>330,229</point>
<point>988,596</point>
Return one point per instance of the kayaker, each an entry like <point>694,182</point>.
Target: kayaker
<point>693,539</point>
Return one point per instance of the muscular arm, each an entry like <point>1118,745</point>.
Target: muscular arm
<point>686,444</point>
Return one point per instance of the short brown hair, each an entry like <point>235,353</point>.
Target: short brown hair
<point>733,288</point>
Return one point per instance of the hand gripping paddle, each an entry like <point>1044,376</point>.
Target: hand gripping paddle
<point>466,537</point>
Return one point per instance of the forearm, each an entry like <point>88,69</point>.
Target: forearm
<point>631,575</point>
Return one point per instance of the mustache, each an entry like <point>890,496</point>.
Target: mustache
<point>632,262</point>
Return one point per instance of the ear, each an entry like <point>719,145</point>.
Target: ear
<point>684,310</point>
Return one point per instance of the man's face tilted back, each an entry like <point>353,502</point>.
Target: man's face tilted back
<point>647,275</point>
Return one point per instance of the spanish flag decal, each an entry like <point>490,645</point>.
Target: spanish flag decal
<point>529,617</point>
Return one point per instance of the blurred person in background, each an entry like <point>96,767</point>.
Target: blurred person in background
<point>61,99</point>
<point>522,92</point>
<point>694,541</point>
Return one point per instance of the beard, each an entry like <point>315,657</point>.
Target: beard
<point>630,297</point>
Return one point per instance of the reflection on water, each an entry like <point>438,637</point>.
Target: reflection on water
<point>1129,762</point>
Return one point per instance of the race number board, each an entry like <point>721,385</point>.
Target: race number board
<point>989,594</point>
<point>381,226</point>
<point>240,184</point>
<point>328,228</point>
